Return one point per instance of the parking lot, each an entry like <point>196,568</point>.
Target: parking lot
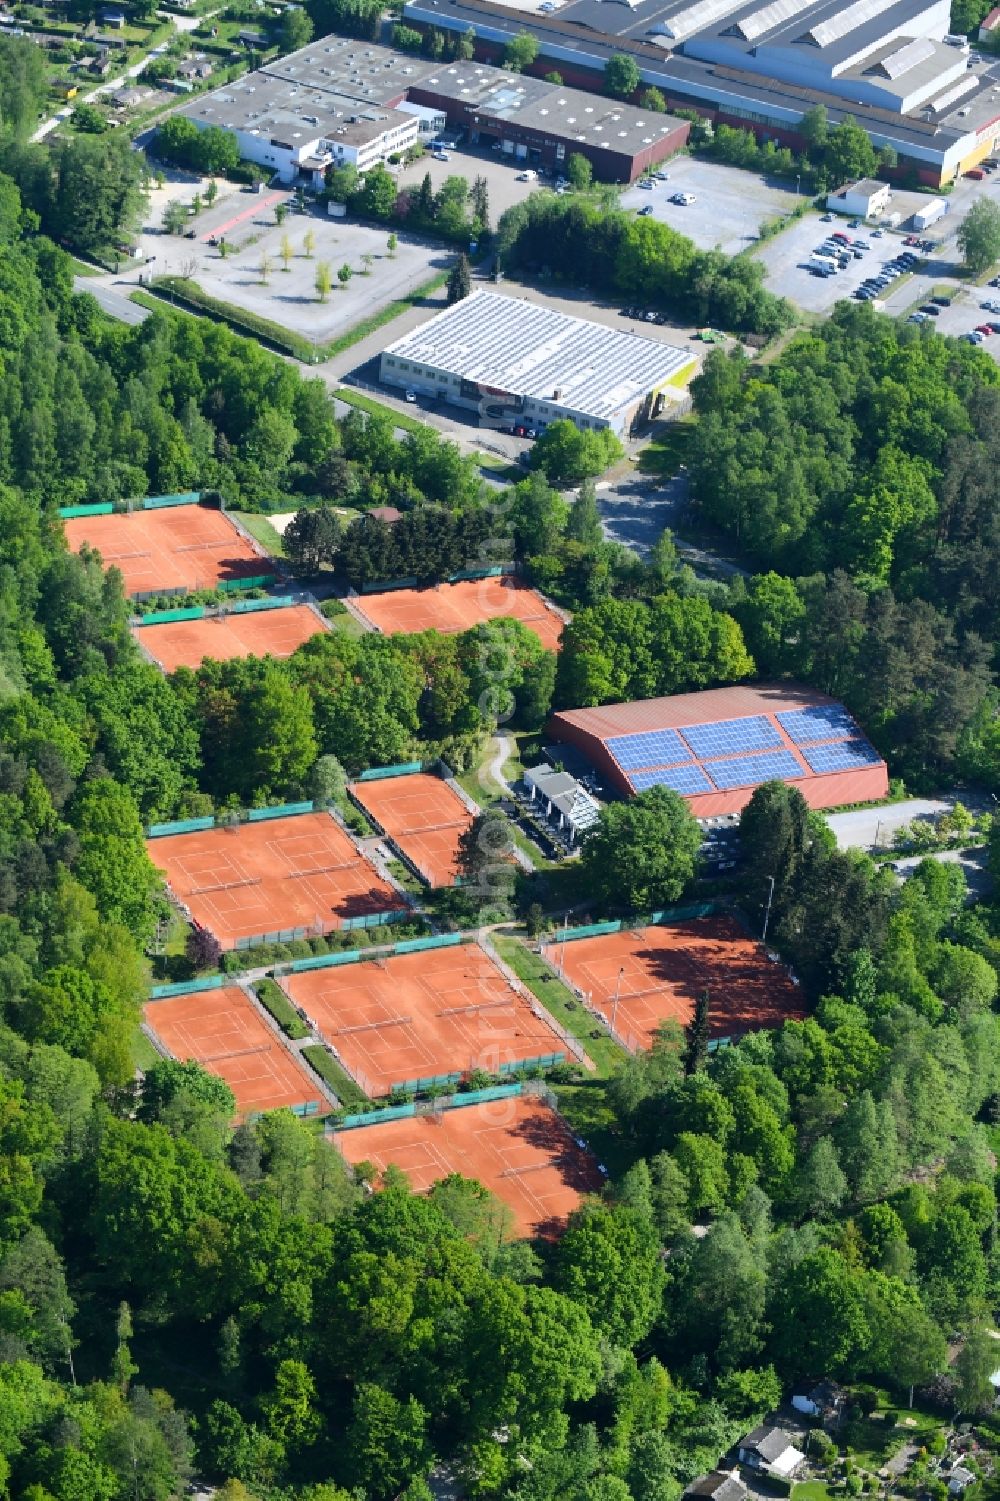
<point>785,261</point>
<point>729,208</point>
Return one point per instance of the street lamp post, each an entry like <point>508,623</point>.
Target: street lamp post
<point>767,914</point>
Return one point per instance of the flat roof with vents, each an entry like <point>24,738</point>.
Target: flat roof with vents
<point>526,350</point>
<point>714,748</point>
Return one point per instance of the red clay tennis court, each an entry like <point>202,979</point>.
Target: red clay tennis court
<point>666,969</point>
<point>221,1030</point>
<point>423,816</point>
<point>457,607</point>
<point>414,1016</point>
<point>271,876</point>
<point>517,1147</point>
<point>179,547</point>
<point>259,633</point>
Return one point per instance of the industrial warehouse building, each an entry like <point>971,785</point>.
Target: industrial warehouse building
<point>517,362</point>
<point>343,102</point>
<point>763,64</point>
<point>714,748</point>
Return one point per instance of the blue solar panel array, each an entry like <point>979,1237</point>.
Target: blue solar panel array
<point>655,748</point>
<point>846,756</point>
<point>728,737</point>
<point>683,779</point>
<point>803,725</point>
<point>747,771</point>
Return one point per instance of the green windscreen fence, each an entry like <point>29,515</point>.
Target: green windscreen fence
<point>383,588</point>
<point>105,508</point>
<point>186,987</point>
<point>273,602</point>
<point>166,617</point>
<point>377,773</point>
<point>280,810</point>
<point>435,941</point>
<point>325,961</point>
<point>377,1117</point>
<point>430,1081</point>
<point>495,572</point>
<point>234,586</point>
<point>376,919</point>
<point>483,1096</point>
<point>179,826</point>
<point>159,502</point>
<point>544,1060</point>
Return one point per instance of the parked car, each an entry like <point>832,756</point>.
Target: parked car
<point>411,396</point>
<point>827,218</point>
<point>941,301</point>
<point>986,329</point>
<point>838,234</point>
<point>646,209</point>
<point>662,176</point>
<point>646,184</point>
<point>931,311</point>
<point>878,234</point>
<point>854,223</point>
<point>441,156</point>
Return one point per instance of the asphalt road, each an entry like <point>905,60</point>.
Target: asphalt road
<point>866,828</point>
<point>113,303</point>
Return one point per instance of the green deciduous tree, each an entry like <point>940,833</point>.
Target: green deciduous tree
<point>621,75</point>
<point>979,236</point>
<point>642,854</point>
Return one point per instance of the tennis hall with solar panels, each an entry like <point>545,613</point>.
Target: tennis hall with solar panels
<point>715,747</point>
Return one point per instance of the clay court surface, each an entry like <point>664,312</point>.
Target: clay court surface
<point>457,607</point>
<point>667,968</point>
<point>423,816</point>
<point>517,1147</point>
<point>414,1016</point>
<point>221,1030</point>
<point>261,633</point>
<point>268,877</point>
<point>180,547</point>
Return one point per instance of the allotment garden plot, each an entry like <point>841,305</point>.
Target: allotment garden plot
<point>182,548</point>
<point>450,608</point>
<point>285,875</point>
<point>638,979</point>
<point>221,1030</point>
<point>517,1146</point>
<point>415,1019</point>
<point>258,633</point>
<point>423,817</point>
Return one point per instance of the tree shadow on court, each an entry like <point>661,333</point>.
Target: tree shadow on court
<point>746,990</point>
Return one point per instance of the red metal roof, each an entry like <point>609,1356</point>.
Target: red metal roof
<point>691,708</point>
<point>590,729</point>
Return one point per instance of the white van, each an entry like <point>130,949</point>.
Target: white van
<point>529,175</point>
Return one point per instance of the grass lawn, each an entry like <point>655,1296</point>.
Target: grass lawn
<point>556,997</point>
<point>375,408</point>
<point>144,1055</point>
<point>83,268</point>
<point>262,531</point>
<point>585,1106</point>
<point>347,624</point>
<point>810,1490</point>
<point>872,1442</point>
<point>667,451</point>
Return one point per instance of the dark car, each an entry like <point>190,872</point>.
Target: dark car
<point>941,301</point>
<point>931,310</point>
